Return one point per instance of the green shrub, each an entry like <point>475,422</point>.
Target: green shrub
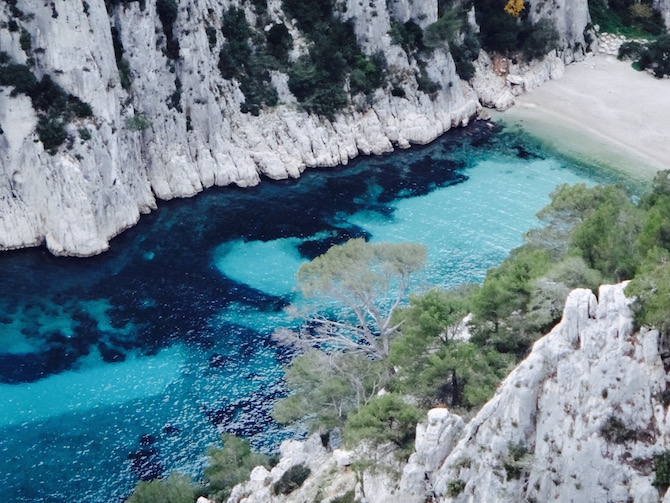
<point>542,37</point>
<point>279,42</point>
<point>409,36</point>
<point>347,497</point>
<point>210,31</point>
<point>426,84</point>
<point>317,80</point>
<point>167,11</point>
<point>384,419</point>
<point>292,479</point>
<point>662,470</point>
<point>455,487</point>
<point>51,131</point>
<point>174,101</point>
<point>656,56</point>
<point>125,76</point>
<point>465,53</point>
<point>499,31</point>
<point>614,430</point>
<point>367,74</point>
<point>247,63</point>
<point>26,41</point>
<point>54,106</point>
<point>175,489</point>
<point>230,465</point>
<point>18,76</point>
<point>630,50</point>
<point>138,122</point>
<point>626,17</point>
<point>84,134</point>
<point>123,66</point>
<point>442,32</point>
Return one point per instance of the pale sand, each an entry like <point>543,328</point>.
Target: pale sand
<point>601,111</point>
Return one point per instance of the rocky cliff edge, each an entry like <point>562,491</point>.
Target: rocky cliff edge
<point>582,418</point>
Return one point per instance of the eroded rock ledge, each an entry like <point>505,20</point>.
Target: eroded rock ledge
<point>590,375</point>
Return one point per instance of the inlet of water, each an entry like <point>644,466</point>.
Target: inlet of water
<point>129,364</point>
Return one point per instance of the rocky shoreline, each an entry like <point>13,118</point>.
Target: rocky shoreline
<point>75,201</point>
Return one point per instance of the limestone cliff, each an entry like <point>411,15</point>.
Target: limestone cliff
<point>582,418</point>
<point>179,128</point>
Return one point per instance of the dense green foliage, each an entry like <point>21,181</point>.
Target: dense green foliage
<point>328,388</point>
<point>138,123</point>
<point>229,465</point>
<point>654,56</point>
<point>408,35</point>
<point>167,11</point>
<point>626,17</point>
<point>591,235</point>
<point>662,470</point>
<point>122,64</point>
<point>318,78</point>
<point>291,480</point>
<point>175,489</point>
<point>455,487</point>
<point>384,419</point>
<point>54,107</point>
<point>506,34</point>
<point>245,58</point>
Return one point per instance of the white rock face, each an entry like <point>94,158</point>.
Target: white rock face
<point>559,404</point>
<point>586,406</point>
<point>77,200</point>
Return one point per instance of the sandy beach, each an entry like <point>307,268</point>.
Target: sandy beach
<point>602,111</point>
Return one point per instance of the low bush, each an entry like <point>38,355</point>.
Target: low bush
<point>626,17</point>
<point>384,419</point>
<point>229,465</point>
<point>662,470</point>
<point>167,11</point>
<point>347,497</point>
<point>246,62</point>
<point>455,487</point>
<point>542,38</point>
<point>138,122</point>
<point>55,108</point>
<point>408,35</point>
<point>465,53</point>
<point>656,56</point>
<point>175,489</point>
<point>442,32</point>
<point>292,479</point>
<point>615,431</point>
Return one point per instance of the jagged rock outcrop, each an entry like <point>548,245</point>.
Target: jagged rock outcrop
<point>587,406</point>
<point>580,419</point>
<point>179,129</point>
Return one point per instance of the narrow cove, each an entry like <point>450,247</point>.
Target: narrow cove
<point>129,364</point>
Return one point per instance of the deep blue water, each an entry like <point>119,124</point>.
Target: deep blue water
<point>129,364</point>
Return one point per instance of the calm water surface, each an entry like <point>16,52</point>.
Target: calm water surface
<point>130,364</point>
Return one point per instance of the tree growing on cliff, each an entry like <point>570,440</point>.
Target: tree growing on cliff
<point>361,284</point>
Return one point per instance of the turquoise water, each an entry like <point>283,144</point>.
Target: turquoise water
<point>128,365</point>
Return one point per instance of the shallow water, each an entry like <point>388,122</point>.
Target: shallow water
<point>129,364</point>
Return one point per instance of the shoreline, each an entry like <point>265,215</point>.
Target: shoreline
<point>601,111</point>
